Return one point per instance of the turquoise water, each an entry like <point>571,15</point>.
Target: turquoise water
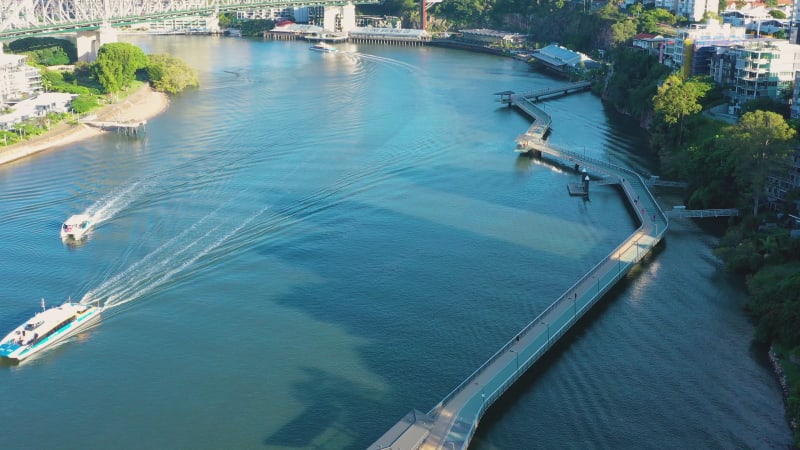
<point>310,245</point>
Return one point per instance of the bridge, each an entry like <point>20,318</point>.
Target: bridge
<point>93,20</point>
<point>570,88</point>
<point>682,212</point>
<point>452,422</point>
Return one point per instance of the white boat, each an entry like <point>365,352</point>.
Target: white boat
<point>323,47</point>
<point>47,327</point>
<point>76,226</point>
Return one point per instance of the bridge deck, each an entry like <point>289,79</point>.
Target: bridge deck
<point>456,417</point>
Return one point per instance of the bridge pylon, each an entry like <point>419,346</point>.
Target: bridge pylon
<point>89,42</point>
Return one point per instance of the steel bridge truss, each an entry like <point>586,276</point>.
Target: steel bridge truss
<point>26,17</point>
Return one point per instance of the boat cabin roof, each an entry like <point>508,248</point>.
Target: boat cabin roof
<point>77,219</point>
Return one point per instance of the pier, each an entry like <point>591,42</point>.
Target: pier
<point>127,128</point>
<point>526,103</point>
<point>452,422</point>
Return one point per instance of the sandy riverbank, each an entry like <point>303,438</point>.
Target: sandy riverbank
<point>143,104</point>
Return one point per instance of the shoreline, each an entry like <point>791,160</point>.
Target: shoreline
<point>141,105</point>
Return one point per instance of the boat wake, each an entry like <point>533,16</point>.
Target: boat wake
<point>169,263</point>
<point>111,204</point>
<point>383,60</point>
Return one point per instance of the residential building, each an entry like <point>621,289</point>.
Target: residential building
<point>695,46</point>
<point>654,44</point>
<point>693,10</point>
<point>795,109</point>
<point>781,183</point>
<point>17,79</point>
<point>765,68</point>
<point>37,106</point>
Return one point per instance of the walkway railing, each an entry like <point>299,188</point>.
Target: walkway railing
<point>451,424</point>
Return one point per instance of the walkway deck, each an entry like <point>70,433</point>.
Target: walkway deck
<point>130,128</point>
<point>452,423</point>
<point>526,103</point>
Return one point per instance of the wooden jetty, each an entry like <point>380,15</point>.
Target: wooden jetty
<point>127,128</point>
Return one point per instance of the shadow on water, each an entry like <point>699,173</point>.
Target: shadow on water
<point>313,427</point>
<point>523,386</point>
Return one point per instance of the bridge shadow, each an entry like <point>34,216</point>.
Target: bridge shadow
<point>322,422</point>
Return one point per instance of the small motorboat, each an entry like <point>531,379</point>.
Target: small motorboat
<point>323,47</point>
<point>46,328</point>
<point>76,226</point>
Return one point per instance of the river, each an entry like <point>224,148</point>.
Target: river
<point>309,246</point>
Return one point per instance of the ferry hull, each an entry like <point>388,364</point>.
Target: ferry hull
<point>16,352</point>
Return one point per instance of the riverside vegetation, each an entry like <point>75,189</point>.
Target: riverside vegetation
<point>118,71</point>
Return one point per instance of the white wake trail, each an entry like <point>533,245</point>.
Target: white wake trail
<point>163,264</point>
<point>115,201</point>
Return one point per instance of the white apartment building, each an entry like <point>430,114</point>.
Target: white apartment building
<point>694,46</point>
<point>764,68</point>
<point>17,79</point>
<point>693,10</point>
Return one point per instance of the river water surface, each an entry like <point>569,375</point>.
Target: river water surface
<point>309,246</point>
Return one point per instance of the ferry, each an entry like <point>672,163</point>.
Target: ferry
<point>76,226</point>
<point>46,328</point>
<point>323,47</point>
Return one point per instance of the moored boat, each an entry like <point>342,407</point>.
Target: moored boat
<point>46,328</point>
<point>76,226</point>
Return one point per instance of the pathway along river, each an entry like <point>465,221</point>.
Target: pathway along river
<point>310,245</point>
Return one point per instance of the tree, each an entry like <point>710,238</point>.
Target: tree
<point>623,30</point>
<point>116,65</point>
<point>762,142</point>
<point>676,99</point>
<point>46,51</point>
<point>84,103</point>
<point>170,74</point>
<point>777,14</point>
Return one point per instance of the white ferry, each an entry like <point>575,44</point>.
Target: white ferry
<point>76,226</point>
<point>323,47</point>
<point>46,328</point>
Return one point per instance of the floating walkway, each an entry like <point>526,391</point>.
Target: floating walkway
<point>453,421</point>
<point>526,103</point>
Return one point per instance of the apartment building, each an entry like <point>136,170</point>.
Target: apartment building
<point>693,10</point>
<point>17,79</point>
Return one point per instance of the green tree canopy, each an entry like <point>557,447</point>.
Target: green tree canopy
<point>46,51</point>
<point>777,13</point>
<point>170,74</point>
<point>762,142</point>
<point>84,103</point>
<point>116,65</point>
<point>676,99</point>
